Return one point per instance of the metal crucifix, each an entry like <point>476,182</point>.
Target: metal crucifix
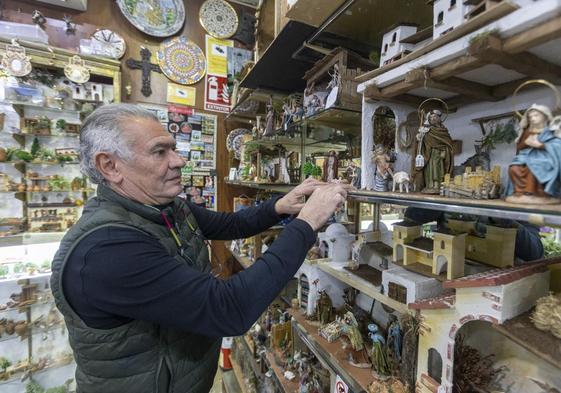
<point>146,67</point>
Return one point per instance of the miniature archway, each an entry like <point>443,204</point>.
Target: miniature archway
<point>441,264</point>
<point>398,252</point>
<point>384,127</point>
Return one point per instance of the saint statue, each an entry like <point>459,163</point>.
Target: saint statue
<point>535,172</point>
<point>330,167</point>
<point>435,155</point>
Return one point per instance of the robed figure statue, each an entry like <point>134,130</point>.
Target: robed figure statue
<point>435,153</point>
<point>535,171</point>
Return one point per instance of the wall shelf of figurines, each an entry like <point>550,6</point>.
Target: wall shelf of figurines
<point>33,337</point>
<point>463,120</point>
<point>45,93</point>
<point>306,130</point>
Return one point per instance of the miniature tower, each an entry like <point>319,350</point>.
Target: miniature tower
<point>448,254</point>
<point>448,14</point>
<point>392,47</point>
<point>403,233</point>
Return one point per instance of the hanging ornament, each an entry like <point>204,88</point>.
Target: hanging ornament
<point>76,70</point>
<point>15,62</point>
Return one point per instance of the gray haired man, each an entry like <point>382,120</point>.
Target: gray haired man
<point>132,276</point>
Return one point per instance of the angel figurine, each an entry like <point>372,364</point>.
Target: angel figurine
<point>383,172</point>
<point>535,172</point>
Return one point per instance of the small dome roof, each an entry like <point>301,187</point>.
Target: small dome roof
<point>336,230</point>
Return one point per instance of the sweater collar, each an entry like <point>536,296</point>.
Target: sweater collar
<point>149,212</point>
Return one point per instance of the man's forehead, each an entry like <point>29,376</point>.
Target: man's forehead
<point>142,130</point>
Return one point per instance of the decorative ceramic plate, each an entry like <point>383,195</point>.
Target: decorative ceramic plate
<point>159,18</point>
<point>181,60</point>
<point>218,18</point>
<point>112,43</point>
<point>234,141</point>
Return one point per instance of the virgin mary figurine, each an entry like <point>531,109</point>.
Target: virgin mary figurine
<point>535,172</point>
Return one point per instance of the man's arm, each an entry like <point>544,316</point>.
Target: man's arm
<point>129,276</point>
<point>244,223</point>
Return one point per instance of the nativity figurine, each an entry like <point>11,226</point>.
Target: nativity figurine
<point>270,120</point>
<point>535,172</point>
<point>330,167</point>
<point>324,308</point>
<point>435,153</point>
<point>378,353</point>
<point>353,342</point>
<point>383,171</point>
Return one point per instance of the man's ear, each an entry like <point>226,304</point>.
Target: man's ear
<point>106,164</point>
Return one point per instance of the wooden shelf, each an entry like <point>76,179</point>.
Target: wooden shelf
<point>262,186</point>
<point>331,354</point>
<point>313,12</point>
<point>27,238</point>
<point>534,214</point>
<point>491,68</point>
<point>338,271</point>
<point>24,105</point>
<point>229,382</point>
<point>285,385</point>
<point>522,331</point>
<point>239,376</point>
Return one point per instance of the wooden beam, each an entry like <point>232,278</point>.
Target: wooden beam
<point>490,50</point>
<point>536,36</point>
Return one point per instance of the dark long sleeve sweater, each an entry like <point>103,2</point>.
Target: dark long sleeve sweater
<point>116,275</point>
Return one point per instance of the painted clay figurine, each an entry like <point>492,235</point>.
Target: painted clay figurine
<point>535,172</point>
<point>270,120</point>
<point>435,153</point>
<point>383,170</point>
<point>324,308</point>
<point>378,354</point>
<point>393,349</point>
<point>330,167</point>
<point>357,353</point>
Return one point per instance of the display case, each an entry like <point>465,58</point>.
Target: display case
<point>41,196</point>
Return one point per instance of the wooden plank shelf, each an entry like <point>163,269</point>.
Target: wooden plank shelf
<point>338,271</point>
<point>534,214</point>
<point>278,187</point>
<point>285,385</point>
<point>522,331</point>
<point>332,355</point>
<point>239,376</point>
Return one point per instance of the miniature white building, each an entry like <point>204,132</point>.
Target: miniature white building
<point>448,14</point>
<point>79,92</point>
<point>96,91</point>
<point>407,287</point>
<point>494,296</point>
<point>392,47</point>
<point>338,241</point>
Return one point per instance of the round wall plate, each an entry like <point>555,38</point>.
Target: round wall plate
<point>115,44</point>
<point>158,18</point>
<point>181,60</point>
<point>218,18</point>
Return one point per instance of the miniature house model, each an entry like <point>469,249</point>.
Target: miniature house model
<point>445,252</point>
<point>494,296</point>
<point>495,247</point>
<point>448,14</point>
<point>79,92</point>
<point>338,241</point>
<point>392,47</point>
<point>96,91</point>
<point>408,287</point>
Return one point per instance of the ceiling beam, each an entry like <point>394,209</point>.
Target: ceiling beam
<point>490,50</point>
<point>536,36</point>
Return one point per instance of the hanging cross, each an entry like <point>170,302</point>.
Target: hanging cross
<point>146,67</point>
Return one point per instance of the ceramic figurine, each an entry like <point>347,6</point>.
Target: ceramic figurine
<point>324,308</point>
<point>377,353</point>
<point>287,116</point>
<point>354,263</point>
<point>38,18</point>
<point>383,170</point>
<point>353,174</point>
<point>393,349</point>
<point>330,167</point>
<point>270,120</point>
<point>535,172</point>
<point>435,153</point>
<point>358,356</point>
<point>402,179</point>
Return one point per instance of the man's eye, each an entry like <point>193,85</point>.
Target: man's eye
<point>160,152</point>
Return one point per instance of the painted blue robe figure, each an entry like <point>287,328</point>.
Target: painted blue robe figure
<point>393,348</point>
<point>535,172</point>
<point>378,353</point>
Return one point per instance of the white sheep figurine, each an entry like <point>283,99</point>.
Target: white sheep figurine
<point>401,178</point>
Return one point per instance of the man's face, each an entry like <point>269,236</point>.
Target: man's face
<point>434,119</point>
<point>153,174</point>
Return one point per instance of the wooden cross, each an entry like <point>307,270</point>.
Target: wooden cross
<point>146,67</point>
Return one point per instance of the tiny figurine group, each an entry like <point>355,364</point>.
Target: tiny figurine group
<point>534,174</point>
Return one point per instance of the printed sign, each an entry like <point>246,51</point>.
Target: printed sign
<point>183,95</point>
<point>340,386</point>
<point>217,92</point>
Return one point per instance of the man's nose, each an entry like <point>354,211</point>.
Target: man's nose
<point>176,160</point>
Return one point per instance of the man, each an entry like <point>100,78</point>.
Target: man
<point>132,277</point>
